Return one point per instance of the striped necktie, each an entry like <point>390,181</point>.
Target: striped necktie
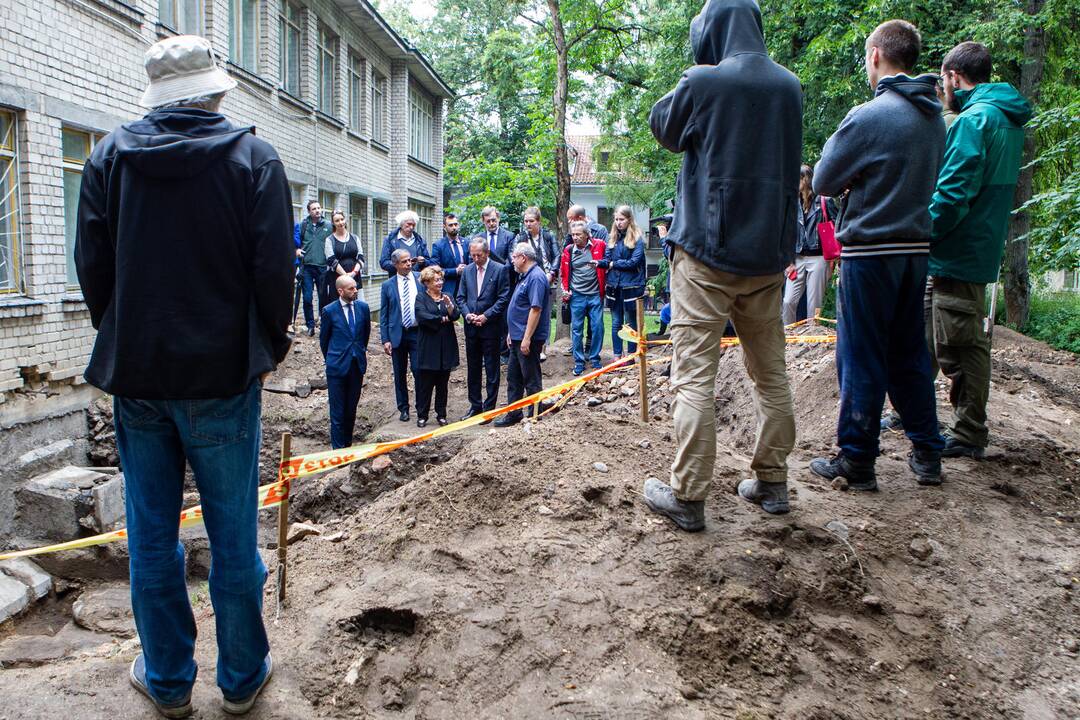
<point>406,302</point>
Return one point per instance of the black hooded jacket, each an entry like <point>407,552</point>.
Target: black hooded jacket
<point>185,257</point>
<point>737,117</point>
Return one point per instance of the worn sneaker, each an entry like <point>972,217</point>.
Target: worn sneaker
<point>772,496</point>
<point>892,422</point>
<point>137,675</point>
<point>687,514</point>
<point>578,369</point>
<point>241,706</point>
<point>954,449</point>
<point>926,464</point>
<point>858,473</point>
<point>510,418</point>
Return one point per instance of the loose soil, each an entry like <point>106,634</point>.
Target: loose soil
<point>516,574</point>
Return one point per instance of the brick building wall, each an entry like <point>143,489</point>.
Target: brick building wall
<point>72,69</point>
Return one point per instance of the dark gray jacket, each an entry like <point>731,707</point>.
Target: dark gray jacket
<point>737,116</point>
<point>887,152</point>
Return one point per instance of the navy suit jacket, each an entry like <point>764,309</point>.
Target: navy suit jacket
<point>340,345</point>
<point>504,243</point>
<point>491,301</point>
<point>443,254</point>
<point>390,330</point>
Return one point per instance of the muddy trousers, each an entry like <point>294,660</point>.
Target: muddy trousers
<point>703,299</point>
<point>881,347</point>
<point>956,333</point>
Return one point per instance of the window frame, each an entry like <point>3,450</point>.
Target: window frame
<point>356,73</point>
<point>287,24</point>
<point>11,201</point>
<point>359,225</point>
<point>74,166</point>
<point>328,208</point>
<point>238,38</point>
<point>426,213</point>
<point>379,88</point>
<point>421,126</point>
<point>326,48</point>
<point>380,226</point>
<point>298,201</point>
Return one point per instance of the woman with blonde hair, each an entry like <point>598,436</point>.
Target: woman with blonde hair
<point>437,347</point>
<point>625,262</point>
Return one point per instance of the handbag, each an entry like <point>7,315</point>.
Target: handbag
<point>826,230</point>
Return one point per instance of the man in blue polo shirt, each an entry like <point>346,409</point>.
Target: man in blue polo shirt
<point>528,324</point>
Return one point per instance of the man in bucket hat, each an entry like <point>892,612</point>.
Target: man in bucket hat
<point>185,256</point>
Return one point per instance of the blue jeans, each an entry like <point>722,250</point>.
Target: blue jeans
<point>220,439</point>
<point>580,306</point>
<point>623,311</point>
<point>310,279</point>
<point>881,347</point>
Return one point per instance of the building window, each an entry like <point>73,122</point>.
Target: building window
<point>9,204</point>
<point>380,217</point>
<point>425,212</point>
<point>76,148</point>
<point>356,93</point>
<point>421,118</point>
<point>299,211</point>
<point>289,41</point>
<point>244,33</point>
<point>328,200</point>
<point>378,107</point>
<point>358,224</point>
<point>327,50</point>
<point>605,216</point>
<point>184,16</point>
<point>603,161</point>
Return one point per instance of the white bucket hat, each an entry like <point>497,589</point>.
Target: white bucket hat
<point>182,67</point>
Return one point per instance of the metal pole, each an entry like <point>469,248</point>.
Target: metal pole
<point>643,362</point>
<point>283,518</point>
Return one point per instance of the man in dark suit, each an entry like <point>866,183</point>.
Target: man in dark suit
<point>482,295</point>
<point>397,324</point>
<point>451,253</point>
<point>344,331</point>
<point>499,240</point>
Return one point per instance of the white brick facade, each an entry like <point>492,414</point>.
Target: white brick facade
<point>77,64</point>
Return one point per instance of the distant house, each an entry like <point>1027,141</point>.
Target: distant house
<point>1064,280</point>
<point>589,161</point>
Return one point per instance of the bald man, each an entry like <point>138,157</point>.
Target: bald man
<point>344,332</point>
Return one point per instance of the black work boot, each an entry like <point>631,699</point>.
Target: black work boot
<point>926,464</point>
<point>771,496</point>
<point>858,473</point>
<point>687,514</point>
<point>954,448</point>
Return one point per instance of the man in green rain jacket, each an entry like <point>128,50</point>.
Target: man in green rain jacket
<point>970,219</point>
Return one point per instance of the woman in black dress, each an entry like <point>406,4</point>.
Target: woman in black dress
<point>437,351</point>
<point>343,256</point>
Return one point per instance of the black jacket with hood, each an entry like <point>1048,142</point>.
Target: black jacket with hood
<point>737,116</point>
<point>185,256</point>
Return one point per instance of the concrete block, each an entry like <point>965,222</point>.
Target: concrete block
<point>14,597</point>
<point>25,571</point>
<point>109,507</point>
<point>51,506</point>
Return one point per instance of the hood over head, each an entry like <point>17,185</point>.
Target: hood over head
<point>177,142</point>
<point>724,28</point>
<point>1003,96</point>
<point>919,91</point>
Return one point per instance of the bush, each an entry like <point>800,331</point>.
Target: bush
<point>1055,319</point>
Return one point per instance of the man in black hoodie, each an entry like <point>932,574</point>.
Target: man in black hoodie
<point>886,155</point>
<point>185,257</point>
<point>737,117</point>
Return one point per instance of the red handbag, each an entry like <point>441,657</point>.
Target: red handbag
<point>826,231</point>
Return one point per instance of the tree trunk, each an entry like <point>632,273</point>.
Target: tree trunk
<point>1017,280</point>
<point>562,164</point>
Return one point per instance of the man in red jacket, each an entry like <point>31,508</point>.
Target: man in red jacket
<point>583,270</point>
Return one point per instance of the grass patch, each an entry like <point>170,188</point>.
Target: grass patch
<point>652,324</point>
<point>1054,319</point>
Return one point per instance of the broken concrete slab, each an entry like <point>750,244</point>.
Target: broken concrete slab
<point>14,597</point>
<point>33,650</point>
<point>288,386</point>
<point>109,508</point>
<point>51,506</point>
<point>29,574</point>
<point>106,609</point>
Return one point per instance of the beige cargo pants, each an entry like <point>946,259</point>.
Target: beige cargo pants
<point>702,300</point>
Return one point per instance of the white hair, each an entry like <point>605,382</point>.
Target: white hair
<point>398,255</point>
<point>405,216</point>
<point>579,225</point>
<point>526,250</point>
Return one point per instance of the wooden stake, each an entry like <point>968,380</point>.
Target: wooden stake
<point>283,518</point>
<point>643,362</point>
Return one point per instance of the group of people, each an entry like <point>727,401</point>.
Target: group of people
<point>923,220</point>
<point>499,288</point>
<point>185,366</point>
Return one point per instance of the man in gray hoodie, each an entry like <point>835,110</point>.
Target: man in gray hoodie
<point>885,155</point>
<point>737,119</point>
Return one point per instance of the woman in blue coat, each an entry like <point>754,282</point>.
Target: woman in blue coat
<point>625,263</point>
